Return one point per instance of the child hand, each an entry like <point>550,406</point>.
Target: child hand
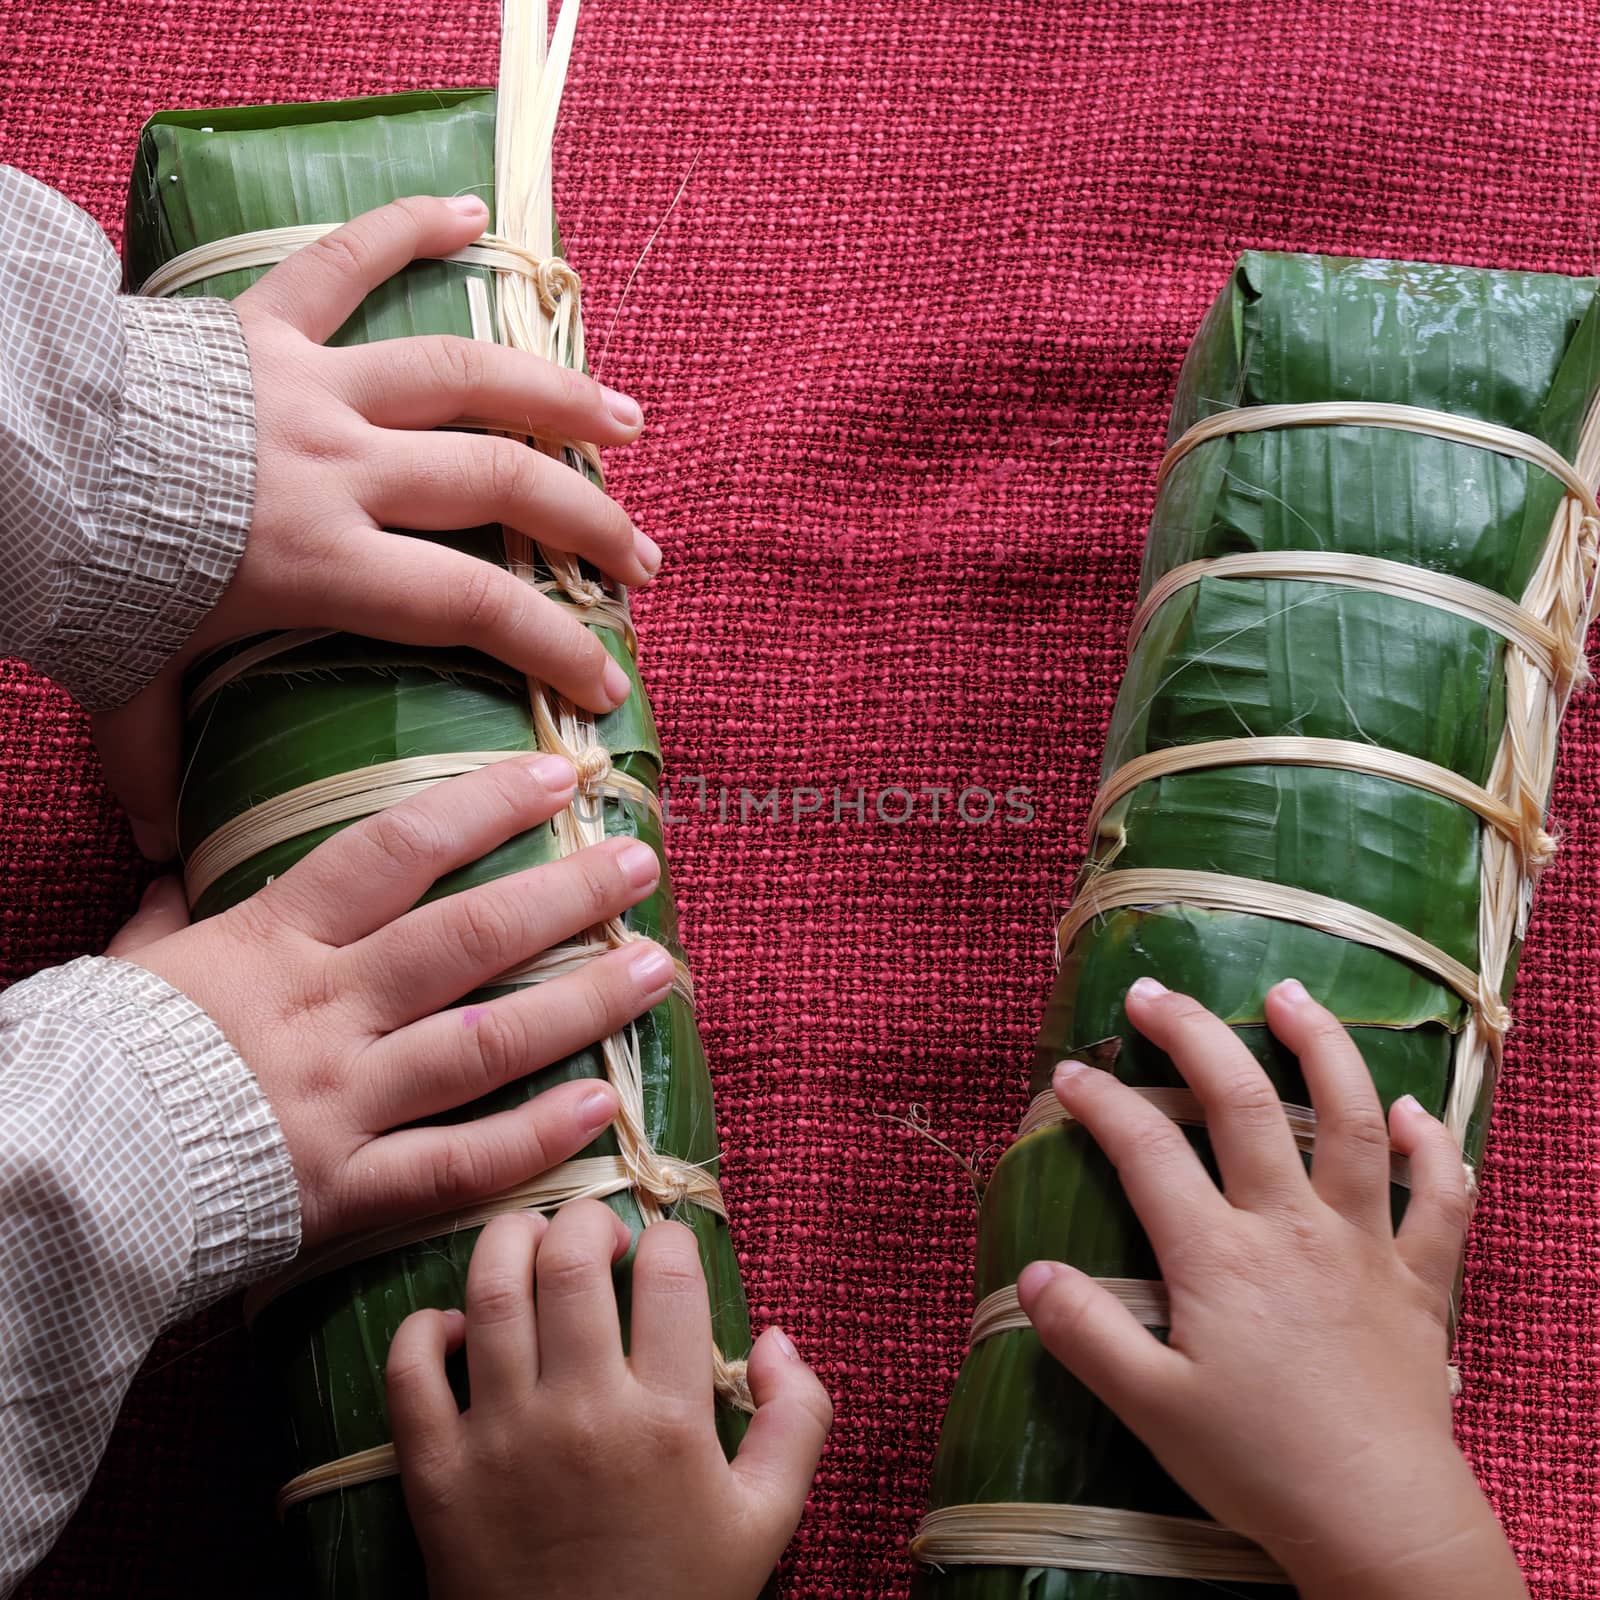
<point>578,1471</point>
<point>1302,1396</point>
<point>343,450</point>
<point>327,982</point>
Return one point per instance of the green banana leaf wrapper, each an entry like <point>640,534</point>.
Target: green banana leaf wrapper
<point>1235,658</point>
<point>345,702</point>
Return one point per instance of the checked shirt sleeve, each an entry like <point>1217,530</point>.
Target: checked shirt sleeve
<point>142,1175</point>
<point>127,454</point>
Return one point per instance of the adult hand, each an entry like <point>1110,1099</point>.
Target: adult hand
<point>345,448</point>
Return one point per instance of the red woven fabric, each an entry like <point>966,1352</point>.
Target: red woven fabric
<point>906,347</point>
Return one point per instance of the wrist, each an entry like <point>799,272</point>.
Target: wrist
<point>1440,1541</point>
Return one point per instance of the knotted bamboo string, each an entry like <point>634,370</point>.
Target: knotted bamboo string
<point>1217,891</point>
<point>1340,569</point>
<point>1543,671</point>
<point>1470,431</point>
<point>1534,845</point>
<point>1183,1107</point>
<point>348,1472</point>
<point>1001,1312</point>
<point>344,796</point>
<point>588,1178</point>
<point>1090,1539</point>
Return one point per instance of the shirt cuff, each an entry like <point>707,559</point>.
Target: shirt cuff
<point>178,494</point>
<point>245,1200</point>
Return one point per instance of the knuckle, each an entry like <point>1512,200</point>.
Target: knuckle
<point>409,1368</point>
<point>462,1169</point>
<point>345,252</point>
<point>1154,1145</point>
<point>596,881</point>
<point>673,1425</point>
<point>501,1045</point>
<point>497,1296</point>
<point>1450,1193</point>
<point>1250,1096</point>
<point>672,1264</point>
<point>1323,1029</point>
<point>1364,1127</point>
<point>455,365</point>
<point>565,1269</point>
<point>595,1011</point>
<point>432,1494</point>
<point>483,599</point>
<point>584,1443</point>
<point>409,837</point>
<point>484,933</point>
<point>510,472</point>
<point>1062,1316</point>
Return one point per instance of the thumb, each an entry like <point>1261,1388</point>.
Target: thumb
<point>163,910</point>
<point>783,1444</point>
<point>1093,1335</point>
<point>138,745</point>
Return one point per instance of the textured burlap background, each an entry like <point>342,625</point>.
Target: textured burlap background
<point>905,347</point>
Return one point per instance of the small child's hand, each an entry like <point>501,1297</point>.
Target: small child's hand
<point>1302,1395</point>
<point>578,1470</point>
<point>345,449</point>
<point>330,984</point>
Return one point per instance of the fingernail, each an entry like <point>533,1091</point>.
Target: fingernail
<point>598,1107</point>
<point>784,1343</point>
<point>1065,1072</point>
<point>1036,1275</point>
<point>1408,1103</point>
<point>652,968</point>
<point>553,773</point>
<point>647,550</point>
<point>1292,990</point>
<point>623,407</point>
<point>1146,988</point>
<point>638,865</point>
<point>616,683</point>
<point>468,205</point>
<point>456,1319</point>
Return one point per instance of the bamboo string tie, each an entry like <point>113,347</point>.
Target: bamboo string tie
<point>1001,1312</point>
<point>345,796</point>
<point>1090,1539</point>
<point>585,1178</point>
<point>1183,1107</point>
<point>1536,847</point>
<point>1215,891</point>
